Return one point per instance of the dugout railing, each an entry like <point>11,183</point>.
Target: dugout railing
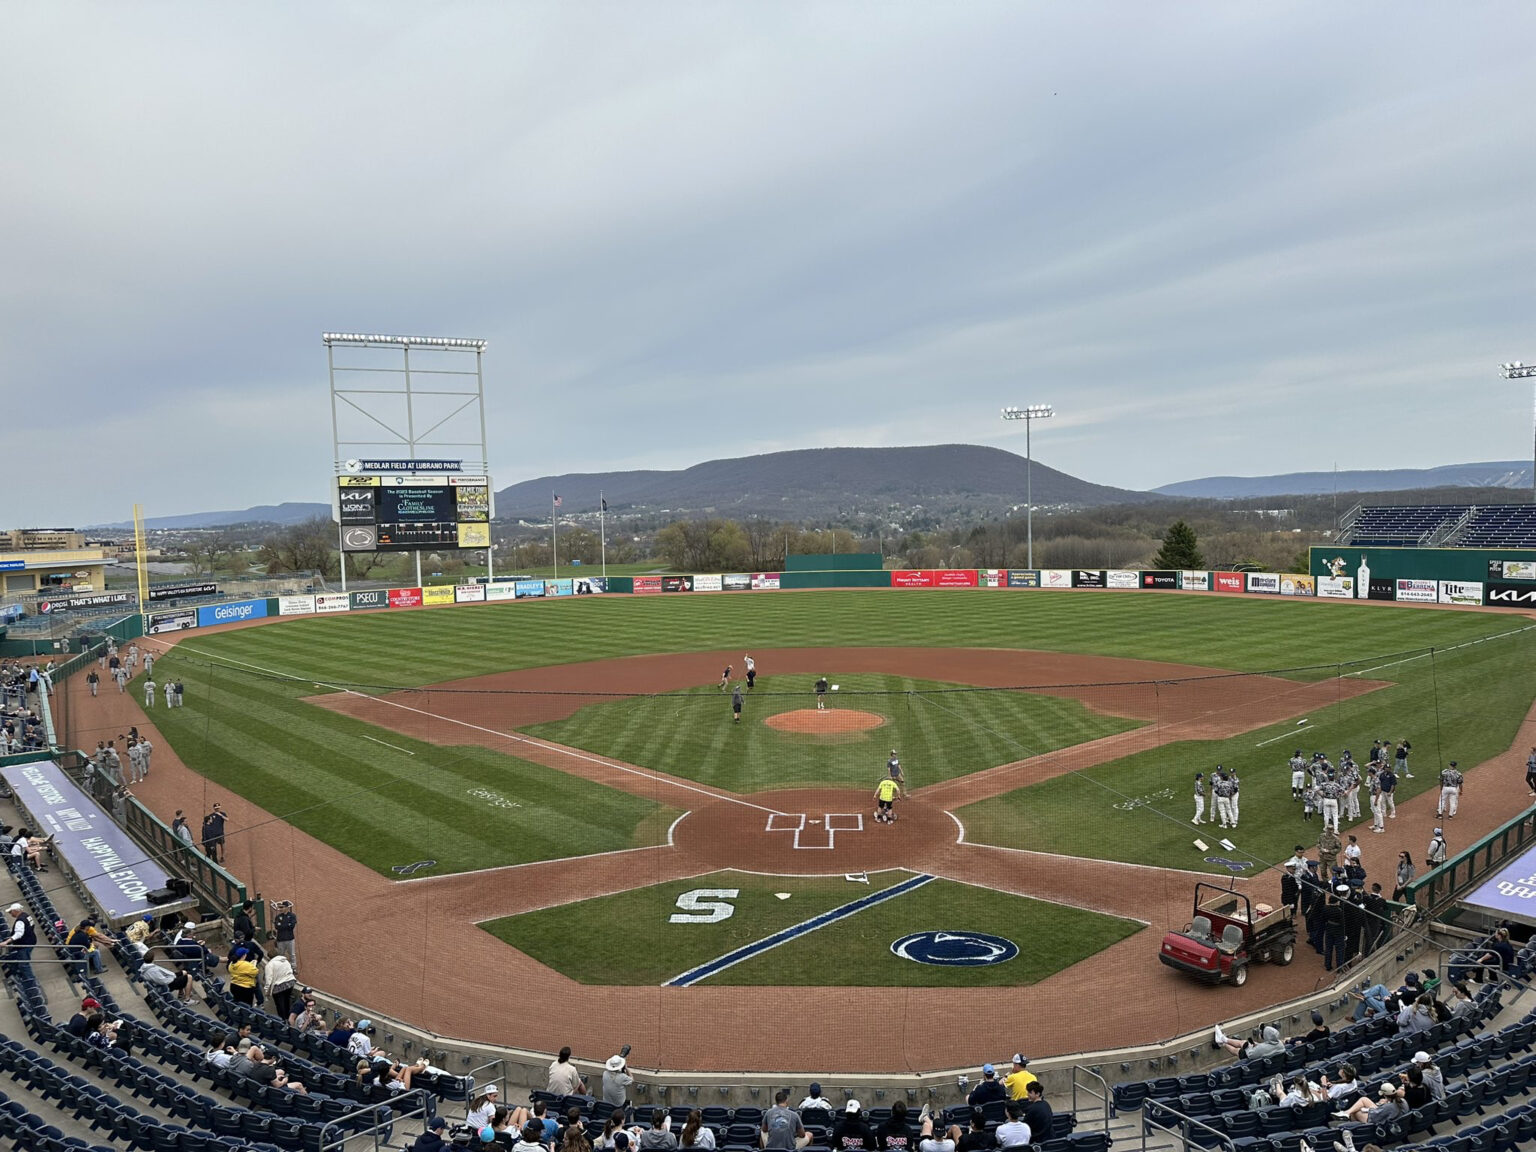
<point>1437,890</point>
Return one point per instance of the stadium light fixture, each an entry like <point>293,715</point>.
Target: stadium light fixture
<point>1515,370</point>
<point>1029,414</point>
<point>378,340</point>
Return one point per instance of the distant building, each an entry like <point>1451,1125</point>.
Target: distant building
<point>41,540</point>
<point>50,561</point>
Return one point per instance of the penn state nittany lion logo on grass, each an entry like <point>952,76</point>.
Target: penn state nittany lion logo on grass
<point>955,949</point>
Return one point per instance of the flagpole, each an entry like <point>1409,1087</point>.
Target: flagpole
<point>602,530</point>
<point>554,533</point>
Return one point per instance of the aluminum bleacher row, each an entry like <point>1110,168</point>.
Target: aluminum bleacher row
<point>1500,526</point>
<point>1406,525</point>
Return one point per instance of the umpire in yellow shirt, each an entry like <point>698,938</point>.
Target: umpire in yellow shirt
<point>885,800</point>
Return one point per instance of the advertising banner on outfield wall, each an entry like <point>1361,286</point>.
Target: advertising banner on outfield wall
<point>1227,581</point>
<point>1087,578</point>
<point>559,588</point>
<point>437,594</point>
<point>1343,587</point>
<point>1159,579</point>
<point>372,598</point>
<point>763,581</point>
<point>501,591</point>
<point>992,578</point>
<point>677,583</point>
<point>1122,578</point>
<point>1023,578</point>
<point>911,578</point>
<point>1461,592</point>
<point>529,589</point>
<point>405,597</point>
<point>736,582</point>
<point>1266,582</point>
<point>172,591</point>
<point>1055,577</point>
<point>954,578</point>
<point>1417,591</point>
<point>646,585</point>
<point>1293,585</point>
<point>1505,595</point>
<point>1381,589</point>
<point>589,585</point>
<point>469,593</point>
<point>708,582</point>
<point>1195,581</point>
<point>295,605</point>
<point>157,622</point>
<point>333,602</point>
<point>210,614</point>
<point>1511,570</point>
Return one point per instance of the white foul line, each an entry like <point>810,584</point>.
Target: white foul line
<point>387,744</point>
<point>515,737</point>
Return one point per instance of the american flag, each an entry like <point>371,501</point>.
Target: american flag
<point>557,501</point>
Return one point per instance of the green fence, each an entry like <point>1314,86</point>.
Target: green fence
<point>834,562</point>
<point>212,884</point>
<point>836,578</point>
<point>1465,564</point>
<point>1435,891</point>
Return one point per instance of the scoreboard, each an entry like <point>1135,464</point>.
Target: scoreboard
<point>401,513</point>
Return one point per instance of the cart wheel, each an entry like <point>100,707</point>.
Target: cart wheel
<point>1239,974</point>
<point>1286,954</point>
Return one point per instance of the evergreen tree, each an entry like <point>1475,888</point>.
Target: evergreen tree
<point>1180,550</point>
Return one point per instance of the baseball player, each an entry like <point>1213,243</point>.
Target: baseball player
<point>1222,790</point>
<point>893,770</point>
<point>1349,780</point>
<point>821,694</point>
<point>751,666</point>
<point>1237,794</point>
<point>1199,797</point>
<point>1330,792</point>
<point>886,793</point>
<point>1451,783</point>
<point>1298,775</point>
<point>1378,799</point>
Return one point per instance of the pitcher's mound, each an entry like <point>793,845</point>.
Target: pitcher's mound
<point>830,720</point>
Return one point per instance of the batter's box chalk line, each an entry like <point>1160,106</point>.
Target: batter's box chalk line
<point>811,833</point>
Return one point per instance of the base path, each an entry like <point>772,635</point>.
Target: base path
<point>440,966</point>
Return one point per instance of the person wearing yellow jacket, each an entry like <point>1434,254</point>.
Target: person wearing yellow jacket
<point>242,977</point>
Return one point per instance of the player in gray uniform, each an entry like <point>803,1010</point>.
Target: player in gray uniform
<point>1199,798</point>
<point>1223,789</point>
<point>1349,780</point>
<point>1298,775</point>
<point>1451,783</point>
<point>1237,794</point>
<point>1330,792</point>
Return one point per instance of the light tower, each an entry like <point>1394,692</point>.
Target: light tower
<point>1518,371</point>
<point>1029,414</point>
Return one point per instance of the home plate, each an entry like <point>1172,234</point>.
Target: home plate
<point>782,895</point>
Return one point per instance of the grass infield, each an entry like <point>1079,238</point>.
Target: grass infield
<point>579,940</point>
<point>939,730</point>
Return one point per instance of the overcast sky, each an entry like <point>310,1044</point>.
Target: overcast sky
<point>1242,238</point>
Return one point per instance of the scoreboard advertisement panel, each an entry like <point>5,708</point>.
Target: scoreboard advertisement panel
<point>401,513</point>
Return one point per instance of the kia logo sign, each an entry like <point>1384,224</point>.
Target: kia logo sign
<point>1511,595</point>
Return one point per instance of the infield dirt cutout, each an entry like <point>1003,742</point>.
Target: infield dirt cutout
<point>832,721</point>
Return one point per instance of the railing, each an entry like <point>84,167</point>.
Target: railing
<point>1447,529</point>
<point>395,1104</point>
<point>1107,1099</point>
<point>1186,1124</point>
<point>472,1078</point>
<point>1433,891</point>
<point>1346,522</point>
<point>212,884</point>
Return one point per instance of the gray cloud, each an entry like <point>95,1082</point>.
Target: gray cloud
<point>1218,239</point>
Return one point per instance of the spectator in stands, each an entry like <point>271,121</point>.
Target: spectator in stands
<point>1295,1094</point>
<point>23,938</point>
<point>658,1137</point>
<point>1268,1044</point>
<point>695,1135</point>
<point>360,1043</point>
<point>1320,1031</point>
<point>432,1139</point>
<point>1417,1015</point>
<point>564,1079</point>
<point>102,1033</point>
<point>242,977</point>
<point>989,1089</point>
<point>977,1138</point>
<point>1383,1110</point>
<point>1014,1132</point>
<point>1462,1004</point>
<point>929,1139</point>
<point>574,1137</point>
<point>280,983</point>
<point>1037,1113</point>
<point>342,1033</point>
<point>224,1051</point>
<point>550,1125</point>
<point>483,1106</point>
<point>782,1129</point>
<point>243,926</point>
<point>814,1099</point>
<point>397,1078</point>
<point>896,1132</point>
<point>1347,1083</point>
<point>1415,1091</point>
<point>79,1023</point>
<point>530,1138</point>
<point>1019,1080</point>
<point>1434,1079</point>
<point>1373,999</point>
<point>852,1133</point>
<point>616,1081</point>
<point>613,1128</point>
<point>306,1017</point>
<point>141,928</point>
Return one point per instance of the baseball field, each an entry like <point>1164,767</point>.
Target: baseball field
<point>1064,724</point>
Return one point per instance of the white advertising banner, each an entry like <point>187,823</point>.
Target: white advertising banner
<point>295,605</point>
<point>1195,581</point>
<point>1264,582</point>
<point>469,593</point>
<point>1120,578</point>
<point>1337,587</point>
<point>1055,578</point>
<point>1461,592</point>
<point>708,582</point>
<point>501,590</point>
<point>1418,591</point>
<point>333,602</point>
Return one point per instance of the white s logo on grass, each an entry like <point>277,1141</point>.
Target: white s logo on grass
<point>705,906</point>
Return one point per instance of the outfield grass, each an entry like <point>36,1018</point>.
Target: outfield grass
<point>582,942</point>
<point>939,732</point>
<point>1463,705</point>
<point>1251,634</point>
<point>383,798</point>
